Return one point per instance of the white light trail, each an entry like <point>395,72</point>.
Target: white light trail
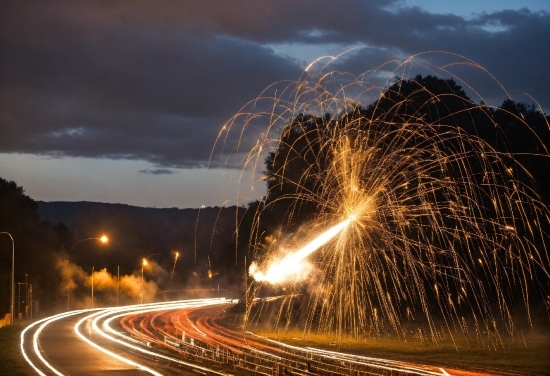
<point>292,264</point>
<point>101,320</point>
<point>44,322</point>
<point>386,364</point>
<point>114,312</point>
<point>155,308</point>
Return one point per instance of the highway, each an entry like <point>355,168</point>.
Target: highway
<point>182,338</point>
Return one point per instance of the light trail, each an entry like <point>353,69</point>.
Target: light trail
<point>110,353</point>
<point>44,322</point>
<point>213,344</point>
<point>156,308</point>
<point>116,312</point>
<point>292,265</point>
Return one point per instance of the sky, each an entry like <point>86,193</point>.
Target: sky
<point>122,101</point>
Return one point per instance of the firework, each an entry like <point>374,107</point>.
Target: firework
<point>176,255</point>
<point>447,231</point>
<point>291,265</point>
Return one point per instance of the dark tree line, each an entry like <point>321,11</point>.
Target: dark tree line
<point>514,130</point>
<point>35,243</point>
<point>134,233</point>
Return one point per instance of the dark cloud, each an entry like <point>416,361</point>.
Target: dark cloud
<point>139,80</point>
<point>158,171</point>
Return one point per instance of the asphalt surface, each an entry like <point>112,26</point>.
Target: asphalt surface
<point>68,354</point>
<point>184,338</point>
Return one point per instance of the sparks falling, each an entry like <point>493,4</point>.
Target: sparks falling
<point>448,233</point>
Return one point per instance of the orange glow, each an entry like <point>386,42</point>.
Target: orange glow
<point>292,264</point>
<point>104,239</point>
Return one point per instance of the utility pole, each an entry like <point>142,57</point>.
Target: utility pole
<point>12,280</point>
<point>26,297</point>
<point>30,299</point>
<point>245,292</point>
<point>117,282</point>
<point>92,287</point>
<point>19,301</point>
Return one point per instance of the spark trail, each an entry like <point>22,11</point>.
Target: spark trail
<point>292,264</point>
<point>176,255</point>
<point>450,234</point>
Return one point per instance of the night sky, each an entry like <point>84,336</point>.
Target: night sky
<point>121,101</point>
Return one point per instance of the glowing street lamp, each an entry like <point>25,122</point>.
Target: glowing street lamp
<point>12,273</point>
<point>104,239</point>
<point>144,262</point>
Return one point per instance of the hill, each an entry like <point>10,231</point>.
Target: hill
<point>204,239</point>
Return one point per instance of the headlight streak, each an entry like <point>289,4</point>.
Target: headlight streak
<point>45,322</point>
<point>110,353</point>
<point>101,320</point>
<point>135,309</point>
<point>103,312</point>
<point>357,359</point>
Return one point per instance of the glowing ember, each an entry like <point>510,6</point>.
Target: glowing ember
<point>293,265</point>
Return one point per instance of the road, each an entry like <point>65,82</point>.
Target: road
<point>179,338</point>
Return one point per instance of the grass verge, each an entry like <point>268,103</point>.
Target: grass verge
<point>529,355</point>
<point>12,361</point>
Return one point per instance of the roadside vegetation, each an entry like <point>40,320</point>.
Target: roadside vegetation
<point>12,362</point>
<point>530,357</point>
<point>526,354</point>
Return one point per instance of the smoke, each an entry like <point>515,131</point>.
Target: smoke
<point>71,275</point>
<point>76,284</point>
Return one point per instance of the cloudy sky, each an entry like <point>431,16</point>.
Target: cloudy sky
<point>121,101</point>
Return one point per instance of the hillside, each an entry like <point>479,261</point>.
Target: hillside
<point>203,237</point>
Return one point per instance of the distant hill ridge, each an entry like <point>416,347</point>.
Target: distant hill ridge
<point>204,237</point>
<point>69,212</point>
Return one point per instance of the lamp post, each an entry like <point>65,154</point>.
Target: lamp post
<point>104,240</point>
<point>19,301</point>
<point>12,281</point>
<point>117,282</point>
<point>143,263</point>
<point>92,287</point>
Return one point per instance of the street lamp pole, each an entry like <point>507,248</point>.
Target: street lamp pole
<point>117,282</point>
<point>12,273</point>
<point>144,262</point>
<point>103,239</point>
<point>92,287</point>
<point>19,301</point>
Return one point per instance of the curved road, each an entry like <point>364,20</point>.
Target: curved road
<point>179,338</point>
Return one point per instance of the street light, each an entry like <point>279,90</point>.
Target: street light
<point>19,300</point>
<point>12,274</point>
<point>102,239</point>
<point>144,262</point>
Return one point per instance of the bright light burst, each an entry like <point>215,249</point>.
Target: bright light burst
<point>438,231</point>
<point>292,265</point>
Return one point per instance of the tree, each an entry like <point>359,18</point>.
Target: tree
<point>448,178</point>
<point>36,244</point>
